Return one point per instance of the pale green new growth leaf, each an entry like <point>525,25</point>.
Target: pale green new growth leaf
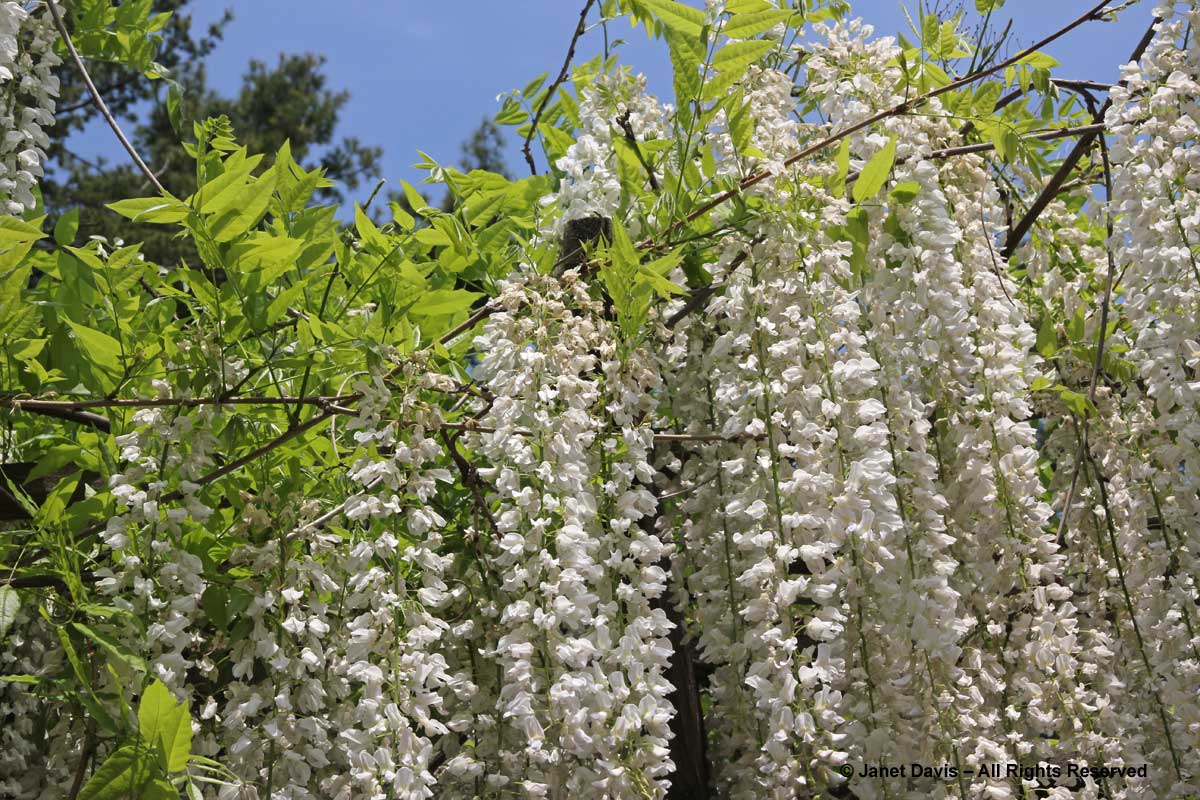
<point>875,174</point>
<point>687,54</point>
<point>677,16</point>
<point>838,186</point>
<point>164,722</point>
<point>157,210</point>
<point>1047,337</point>
<point>747,25</point>
<point>904,193</point>
<point>243,210</point>
<point>1039,60</point>
<point>731,63</point>
<point>441,302</point>
<point>368,233</point>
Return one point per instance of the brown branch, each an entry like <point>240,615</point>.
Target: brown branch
<point>85,756</point>
<point>562,77</point>
<point>98,100</point>
<point>658,437</point>
<point>102,424</point>
<point>36,582</point>
<point>894,111</point>
<point>1076,86</point>
<point>1050,190</point>
<point>51,406</point>
<point>470,479</point>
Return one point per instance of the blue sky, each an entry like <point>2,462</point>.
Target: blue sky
<point>423,74</point>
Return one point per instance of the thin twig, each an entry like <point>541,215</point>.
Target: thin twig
<point>631,137</point>
<point>562,77</point>
<point>1101,336</point>
<point>700,296</point>
<point>98,100</point>
<point>1044,136</point>
<point>1050,190</point>
<point>897,110</point>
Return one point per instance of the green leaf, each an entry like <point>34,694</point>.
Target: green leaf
<point>219,193</point>
<point>156,210</point>
<point>511,113</point>
<point>16,240</point>
<point>113,647</point>
<point>175,106</point>
<point>875,174</point>
<point>66,227</point>
<point>1076,326</point>
<point>262,250</point>
<point>731,63</point>
<point>986,95</point>
<point>123,775</point>
<point>1040,383</point>
<point>984,6</point>
<point>444,301</point>
<point>746,25</point>
<point>243,209</point>
<point>10,604</point>
<point>32,680</point>
<point>14,231</point>
<point>1039,60</point>
<point>401,217</point>
<point>677,16</point>
<point>367,231</point>
<point>1077,403</point>
<point>904,193</point>
<point>534,85</point>
<point>653,274</point>
<point>687,53</point>
<point>102,350</point>
<point>859,234</point>
<point>164,722</point>
<point>279,306</point>
<point>415,200</point>
<point>842,160</point>
<point>1047,337</point>
<point>1006,142</point>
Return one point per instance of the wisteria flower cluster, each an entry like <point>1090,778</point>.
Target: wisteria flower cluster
<point>28,88</point>
<point>796,473</point>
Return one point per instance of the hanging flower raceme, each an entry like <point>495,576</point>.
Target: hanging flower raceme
<point>571,637</point>
<point>1146,454</point>
<point>844,501</point>
<point>28,87</point>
